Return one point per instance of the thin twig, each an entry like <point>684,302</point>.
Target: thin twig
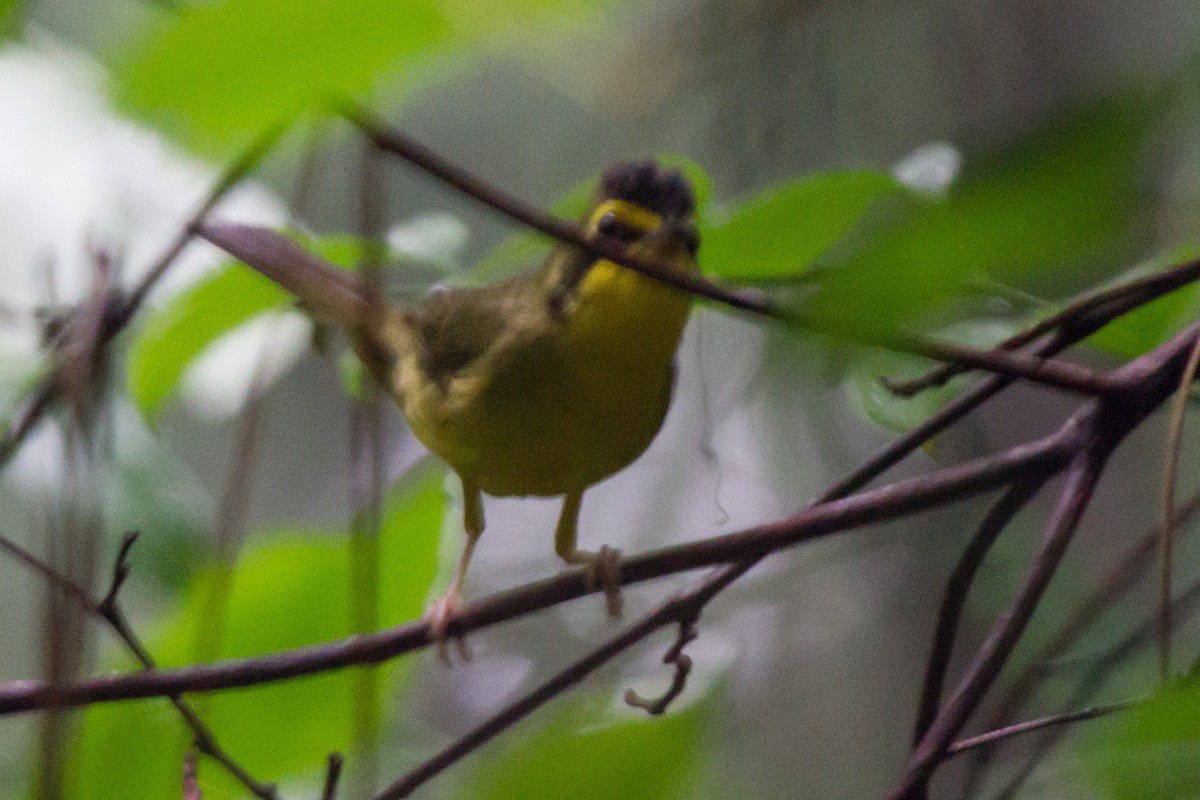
<point>46,391</point>
<point>683,668</point>
<point>1028,726</point>
<point>1167,535</point>
<point>333,772</point>
<point>109,611</point>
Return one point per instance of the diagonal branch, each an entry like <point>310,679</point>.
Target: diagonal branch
<point>682,610</point>
<point>1060,375</point>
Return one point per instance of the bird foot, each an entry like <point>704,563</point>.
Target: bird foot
<point>603,571</point>
<point>440,615</point>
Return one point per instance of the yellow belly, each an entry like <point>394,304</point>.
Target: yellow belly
<point>565,404</point>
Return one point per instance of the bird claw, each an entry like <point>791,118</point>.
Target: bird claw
<point>444,611</point>
<point>603,571</point>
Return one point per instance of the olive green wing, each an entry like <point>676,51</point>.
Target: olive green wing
<point>455,328</point>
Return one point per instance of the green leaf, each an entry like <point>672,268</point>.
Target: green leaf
<point>1062,199</point>
<point>11,17</point>
<point>898,414</point>
<point>650,758</point>
<point>221,71</point>
<point>174,335</point>
<point>217,73</point>
<point>1151,752</point>
<point>290,589</point>
<point>779,233</point>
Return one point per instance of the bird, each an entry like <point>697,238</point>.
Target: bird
<point>541,384</point>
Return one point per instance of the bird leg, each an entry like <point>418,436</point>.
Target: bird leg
<point>603,567</point>
<point>450,605</point>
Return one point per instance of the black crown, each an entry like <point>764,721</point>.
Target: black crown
<point>663,191</point>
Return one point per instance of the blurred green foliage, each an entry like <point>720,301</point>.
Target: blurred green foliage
<point>1061,200</point>
<point>10,18</point>
<point>781,231</point>
<point>653,758</point>
<point>1151,752</point>
<point>217,73</point>
<point>174,335</point>
<point>290,588</point>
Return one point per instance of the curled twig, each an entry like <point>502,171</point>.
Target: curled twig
<point>683,667</point>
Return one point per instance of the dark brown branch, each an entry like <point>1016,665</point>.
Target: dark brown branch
<point>957,588</point>
<point>1082,475</point>
<point>1060,375</point>
<point>889,502</point>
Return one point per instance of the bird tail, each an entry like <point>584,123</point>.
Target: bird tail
<point>329,293</point>
<point>379,333</point>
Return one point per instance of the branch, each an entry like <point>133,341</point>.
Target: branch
<point>333,773</point>
<point>889,502</point>
<point>682,610</point>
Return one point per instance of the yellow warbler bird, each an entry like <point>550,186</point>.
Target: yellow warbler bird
<point>542,384</point>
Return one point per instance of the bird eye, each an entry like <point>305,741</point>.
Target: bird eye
<point>611,225</point>
<point>607,225</point>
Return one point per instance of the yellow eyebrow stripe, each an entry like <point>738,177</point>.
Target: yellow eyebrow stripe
<point>630,214</point>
